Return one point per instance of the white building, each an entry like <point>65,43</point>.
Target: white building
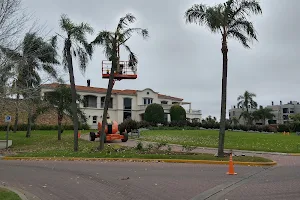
<point>124,103</point>
<point>281,112</point>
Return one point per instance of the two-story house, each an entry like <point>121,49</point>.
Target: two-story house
<point>124,103</point>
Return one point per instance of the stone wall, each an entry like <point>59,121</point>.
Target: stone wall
<point>8,107</point>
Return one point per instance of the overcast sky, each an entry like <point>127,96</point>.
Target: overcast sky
<point>185,60</point>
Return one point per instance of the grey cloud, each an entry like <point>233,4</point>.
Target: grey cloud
<point>185,60</point>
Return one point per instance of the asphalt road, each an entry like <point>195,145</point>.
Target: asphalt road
<point>132,180</point>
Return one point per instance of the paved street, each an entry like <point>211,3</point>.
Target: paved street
<point>132,180</point>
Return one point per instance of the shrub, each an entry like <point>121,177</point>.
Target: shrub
<point>195,124</point>
<point>216,125</point>
<point>143,124</point>
<point>283,127</point>
<point>154,113</point>
<point>180,123</point>
<point>128,124</point>
<point>244,128</point>
<point>139,146</point>
<point>177,113</point>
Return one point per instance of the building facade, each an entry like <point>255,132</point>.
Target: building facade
<point>124,103</point>
<point>283,111</point>
<point>280,111</point>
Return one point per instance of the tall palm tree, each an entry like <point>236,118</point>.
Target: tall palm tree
<point>35,54</point>
<point>75,44</point>
<point>61,99</point>
<point>111,42</point>
<point>230,20</point>
<point>246,101</point>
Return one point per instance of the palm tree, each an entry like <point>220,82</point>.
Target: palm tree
<point>111,42</point>
<point>234,121</point>
<point>75,44</point>
<point>61,99</point>
<point>229,20</point>
<point>246,101</point>
<point>263,114</point>
<point>248,117</point>
<point>36,54</point>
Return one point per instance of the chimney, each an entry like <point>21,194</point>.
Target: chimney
<point>88,82</point>
<point>280,102</point>
<point>272,103</point>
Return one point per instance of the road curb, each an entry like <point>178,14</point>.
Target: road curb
<point>214,162</point>
<point>294,154</point>
<point>20,194</point>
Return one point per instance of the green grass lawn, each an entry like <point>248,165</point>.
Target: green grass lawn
<point>233,140</point>
<point>45,144</point>
<point>8,195</point>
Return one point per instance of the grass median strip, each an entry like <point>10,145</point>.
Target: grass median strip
<point>251,141</point>
<point>45,144</point>
<point>8,195</point>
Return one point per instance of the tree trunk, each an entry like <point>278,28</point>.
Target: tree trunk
<point>73,93</point>
<point>107,99</point>
<point>223,97</point>
<point>59,120</point>
<point>17,114</point>
<point>28,133</point>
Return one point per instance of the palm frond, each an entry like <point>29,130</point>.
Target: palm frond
<point>239,36</point>
<point>64,61</point>
<point>11,54</point>
<point>126,35</point>
<point>49,69</point>
<point>124,21</point>
<point>196,14</point>
<point>83,58</point>
<point>53,41</point>
<point>212,17</point>
<point>245,7</point>
<point>86,28</point>
<point>66,24</point>
<point>244,26</point>
<point>102,38</point>
<point>132,57</point>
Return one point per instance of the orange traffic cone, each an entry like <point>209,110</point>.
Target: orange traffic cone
<point>231,169</point>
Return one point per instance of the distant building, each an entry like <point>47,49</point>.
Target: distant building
<point>236,112</point>
<point>281,112</point>
<point>124,103</point>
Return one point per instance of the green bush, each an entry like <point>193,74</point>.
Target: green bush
<point>177,113</point>
<point>129,125</point>
<point>179,123</point>
<point>283,127</point>
<point>154,113</point>
<point>143,124</point>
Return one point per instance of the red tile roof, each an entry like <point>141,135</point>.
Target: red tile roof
<point>103,90</point>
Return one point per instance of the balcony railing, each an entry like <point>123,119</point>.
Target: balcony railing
<point>165,106</point>
<point>194,112</point>
<point>168,106</point>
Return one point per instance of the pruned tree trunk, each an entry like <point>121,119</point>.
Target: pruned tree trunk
<point>107,99</point>
<point>29,121</point>
<point>59,121</point>
<point>223,98</point>
<point>73,92</point>
<point>17,114</point>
